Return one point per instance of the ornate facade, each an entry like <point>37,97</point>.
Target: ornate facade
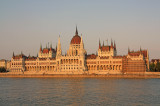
<point>77,61</point>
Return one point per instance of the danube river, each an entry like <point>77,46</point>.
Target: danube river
<point>79,91</point>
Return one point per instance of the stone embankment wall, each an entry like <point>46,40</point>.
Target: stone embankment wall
<point>126,75</point>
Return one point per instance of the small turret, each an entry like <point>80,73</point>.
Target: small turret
<point>128,50</point>
<point>46,46</point>
<point>111,44</point>
<point>114,45</point>
<point>40,47</point>
<point>99,44</point>
<point>50,46</point>
<point>59,51</point>
<point>13,54</point>
<point>56,47</point>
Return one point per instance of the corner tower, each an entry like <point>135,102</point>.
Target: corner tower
<point>106,50</point>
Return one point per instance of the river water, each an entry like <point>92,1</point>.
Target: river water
<point>79,91</point>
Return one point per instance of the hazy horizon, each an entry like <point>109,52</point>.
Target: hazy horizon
<point>24,24</point>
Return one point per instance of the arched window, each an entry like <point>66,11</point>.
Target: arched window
<point>76,52</point>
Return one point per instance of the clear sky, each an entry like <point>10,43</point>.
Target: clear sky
<point>24,24</point>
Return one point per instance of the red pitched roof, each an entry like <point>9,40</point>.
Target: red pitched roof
<point>105,48</point>
<point>46,50</point>
<point>19,56</point>
<point>91,56</point>
<point>137,53</point>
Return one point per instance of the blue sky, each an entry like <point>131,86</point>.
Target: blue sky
<point>24,24</point>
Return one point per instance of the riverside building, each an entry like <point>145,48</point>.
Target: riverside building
<point>77,61</point>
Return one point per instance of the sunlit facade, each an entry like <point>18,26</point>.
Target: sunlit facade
<point>77,61</point>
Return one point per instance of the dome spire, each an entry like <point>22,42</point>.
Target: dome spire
<point>76,31</point>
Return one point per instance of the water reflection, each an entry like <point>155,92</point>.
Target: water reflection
<point>79,91</point>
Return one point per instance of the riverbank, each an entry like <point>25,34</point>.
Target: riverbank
<point>79,76</point>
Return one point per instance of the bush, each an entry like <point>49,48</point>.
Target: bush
<point>2,70</point>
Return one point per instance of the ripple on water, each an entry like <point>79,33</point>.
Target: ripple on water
<point>79,91</point>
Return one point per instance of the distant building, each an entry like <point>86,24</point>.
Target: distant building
<point>3,63</point>
<point>77,61</point>
<point>136,61</point>
<point>155,61</point>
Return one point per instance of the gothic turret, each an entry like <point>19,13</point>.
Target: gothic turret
<point>40,48</point>
<point>13,54</point>
<point>50,46</point>
<point>128,50</point>
<point>111,43</point>
<point>114,45</point>
<point>59,51</point>
<point>99,44</point>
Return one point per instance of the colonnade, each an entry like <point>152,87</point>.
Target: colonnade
<point>104,67</point>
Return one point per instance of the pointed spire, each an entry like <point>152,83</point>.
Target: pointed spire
<point>13,54</point>
<point>37,54</point>
<point>81,39</point>
<point>56,47</point>
<point>111,43</point>
<point>147,53</point>
<point>59,51</point>
<point>103,43</point>
<point>29,55</point>
<point>114,45</point>
<point>40,47</point>
<point>51,45</point>
<point>128,50</point>
<point>140,48</point>
<point>81,44</point>
<point>21,53</point>
<point>76,33</point>
<point>99,43</point>
<point>46,45</point>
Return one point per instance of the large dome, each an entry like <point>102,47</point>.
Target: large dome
<point>76,40</point>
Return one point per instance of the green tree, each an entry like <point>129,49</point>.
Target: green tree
<point>2,69</point>
<point>158,66</point>
<point>152,67</point>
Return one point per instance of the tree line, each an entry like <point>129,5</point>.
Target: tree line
<point>155,67</point>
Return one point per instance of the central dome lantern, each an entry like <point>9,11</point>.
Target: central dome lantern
<point>76,38</point>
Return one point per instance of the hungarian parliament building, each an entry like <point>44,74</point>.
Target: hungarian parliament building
<point>77,61</point>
